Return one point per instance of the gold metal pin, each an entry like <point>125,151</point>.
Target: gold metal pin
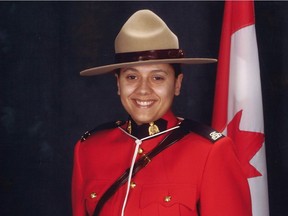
<point>153,129</point>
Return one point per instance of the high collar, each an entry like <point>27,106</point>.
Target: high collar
<point>140,131</point>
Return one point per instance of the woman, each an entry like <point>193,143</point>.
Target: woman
<point>196,173</point>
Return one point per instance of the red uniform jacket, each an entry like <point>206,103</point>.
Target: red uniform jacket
<point>192,177</point>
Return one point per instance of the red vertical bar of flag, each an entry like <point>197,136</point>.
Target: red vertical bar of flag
<point>236,15</point>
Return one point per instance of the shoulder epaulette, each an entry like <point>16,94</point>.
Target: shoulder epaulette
<point>104,126</point>
<point>201,129</point>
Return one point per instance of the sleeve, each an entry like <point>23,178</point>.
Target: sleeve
<point>224,188</point>
<point>78,202</point>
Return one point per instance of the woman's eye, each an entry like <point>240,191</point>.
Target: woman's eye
<point>158,78</point>
<point>131,77</point>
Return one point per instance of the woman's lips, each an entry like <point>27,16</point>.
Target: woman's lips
<point>144,103</point>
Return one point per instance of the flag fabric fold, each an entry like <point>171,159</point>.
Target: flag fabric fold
<point>238,110</point>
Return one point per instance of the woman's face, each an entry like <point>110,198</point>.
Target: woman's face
<point>147,91</point>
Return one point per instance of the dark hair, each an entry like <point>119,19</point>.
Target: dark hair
<point>176,67</point>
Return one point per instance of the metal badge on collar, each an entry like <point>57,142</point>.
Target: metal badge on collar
<point>153,129</point>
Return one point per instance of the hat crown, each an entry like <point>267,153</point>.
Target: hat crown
<point>145,39</point>
<point>144,30</point>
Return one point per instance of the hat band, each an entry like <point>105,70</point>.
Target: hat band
<point>148,55</point>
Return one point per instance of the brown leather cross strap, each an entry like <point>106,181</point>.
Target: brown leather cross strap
<point>186,126</point>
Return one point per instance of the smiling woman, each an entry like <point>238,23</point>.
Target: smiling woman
<point>147,92</point>
<point>199,174</point>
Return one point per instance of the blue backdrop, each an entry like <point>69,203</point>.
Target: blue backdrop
<point>46,106</point>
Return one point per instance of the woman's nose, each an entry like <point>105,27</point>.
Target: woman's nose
<point>144,87</point>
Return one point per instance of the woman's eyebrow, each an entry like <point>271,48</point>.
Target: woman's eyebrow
<point>159,70</point>
<point>136,70</point>
<point>129,69</point>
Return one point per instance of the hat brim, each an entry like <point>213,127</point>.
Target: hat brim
<point>109,68</point>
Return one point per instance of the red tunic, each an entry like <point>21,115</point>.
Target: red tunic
<point>192,177</point>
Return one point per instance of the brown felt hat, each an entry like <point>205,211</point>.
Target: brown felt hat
<point>145,39</point>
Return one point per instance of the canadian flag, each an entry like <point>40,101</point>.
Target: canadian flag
<point>238,111</point>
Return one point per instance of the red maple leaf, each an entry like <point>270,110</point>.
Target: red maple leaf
<point>247,144</point>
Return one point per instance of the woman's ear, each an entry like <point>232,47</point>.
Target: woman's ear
<point>178,83</point>
<point>118,86</point>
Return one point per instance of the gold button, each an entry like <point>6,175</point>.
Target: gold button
<point>93,195</point>
<point>133,185</point>
<point>167,198</point>
<point>140,151</point>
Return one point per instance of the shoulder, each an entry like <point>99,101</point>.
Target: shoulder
<point>101,127</point>
<point>202,130</point>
